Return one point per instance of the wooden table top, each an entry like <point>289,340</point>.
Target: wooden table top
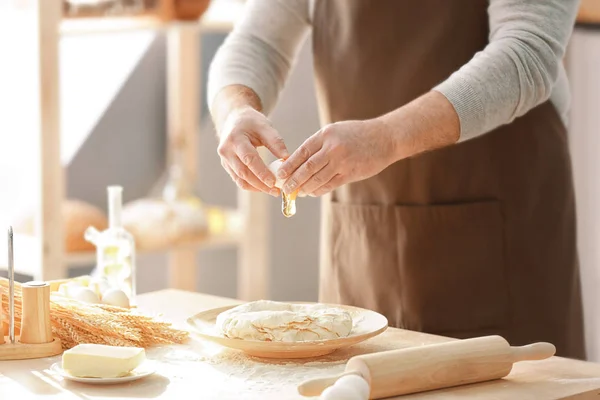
<point>204,370</point>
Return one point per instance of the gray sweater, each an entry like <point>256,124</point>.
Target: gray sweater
<point>520,68</point>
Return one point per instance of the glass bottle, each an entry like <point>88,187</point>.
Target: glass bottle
<point>115,248</point>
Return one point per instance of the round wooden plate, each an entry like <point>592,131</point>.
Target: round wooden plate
<point>367,324</point>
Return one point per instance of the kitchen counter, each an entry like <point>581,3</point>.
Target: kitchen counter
<point>201,370</point>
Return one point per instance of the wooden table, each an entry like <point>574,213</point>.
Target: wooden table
<point>201,370</point>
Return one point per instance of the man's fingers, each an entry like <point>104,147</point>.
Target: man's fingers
<point>244,173</point>
<point>274,142</point>
<point>251,159</point>
<point>242,184</point>
<point>335,182</point>
<point>318,179</point>
<point>300,156</point>
<point>307,171</point>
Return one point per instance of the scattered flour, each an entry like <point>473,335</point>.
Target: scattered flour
<point>216,372</point>
<point>224,373</point>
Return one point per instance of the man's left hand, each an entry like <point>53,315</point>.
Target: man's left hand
<point>339,153</point>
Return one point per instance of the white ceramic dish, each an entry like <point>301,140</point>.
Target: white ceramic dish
<point>146,369</point>
<point>367,324</point>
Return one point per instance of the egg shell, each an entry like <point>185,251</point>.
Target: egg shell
<point>115,297</point>
<point>274,167</point>
<point>356,383</point>
<point>341,392</point>
<point>85,295</point>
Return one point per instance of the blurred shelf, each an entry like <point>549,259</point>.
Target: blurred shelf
<point>26,250</point>
<point>219,17</point>
<point>224,224</point>
<point>210,242</point>
<point>78,26</point>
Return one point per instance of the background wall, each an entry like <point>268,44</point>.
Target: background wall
<point>583,63</point>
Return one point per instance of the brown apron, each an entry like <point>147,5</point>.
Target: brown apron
<point>470,240</point>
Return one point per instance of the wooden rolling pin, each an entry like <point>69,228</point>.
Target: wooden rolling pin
<point>436,366</point>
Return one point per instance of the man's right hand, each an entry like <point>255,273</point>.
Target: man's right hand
<point>243,131</point>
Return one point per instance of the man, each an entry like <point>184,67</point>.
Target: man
<point>443,162</point>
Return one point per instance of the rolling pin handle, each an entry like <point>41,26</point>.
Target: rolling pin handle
<point>314,387</point>
<point>534,351</point>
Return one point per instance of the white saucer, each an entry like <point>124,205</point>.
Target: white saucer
<point>144,370</point>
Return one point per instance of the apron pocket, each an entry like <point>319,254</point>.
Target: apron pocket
<point>362,269</point>
<point>451,268</point>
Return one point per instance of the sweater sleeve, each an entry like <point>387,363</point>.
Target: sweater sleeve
<point>260,51</point>
<point>519,67</point>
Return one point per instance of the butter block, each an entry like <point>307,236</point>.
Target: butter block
<point>101,361</point>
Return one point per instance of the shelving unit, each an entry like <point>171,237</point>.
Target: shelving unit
<point>43,257</point>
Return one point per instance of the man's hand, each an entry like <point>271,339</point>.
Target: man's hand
<point>243,132</point>
<point>242,128</point>
<point>351,151</point>
<point>339,153</point>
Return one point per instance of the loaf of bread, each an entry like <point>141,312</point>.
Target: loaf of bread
<point>156,224</point>
<point>77,216</point>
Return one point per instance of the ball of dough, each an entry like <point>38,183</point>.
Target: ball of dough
<point>356,383</point>
<point>267,320</point>
<point>274,167</point>
<point>338,392</point>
